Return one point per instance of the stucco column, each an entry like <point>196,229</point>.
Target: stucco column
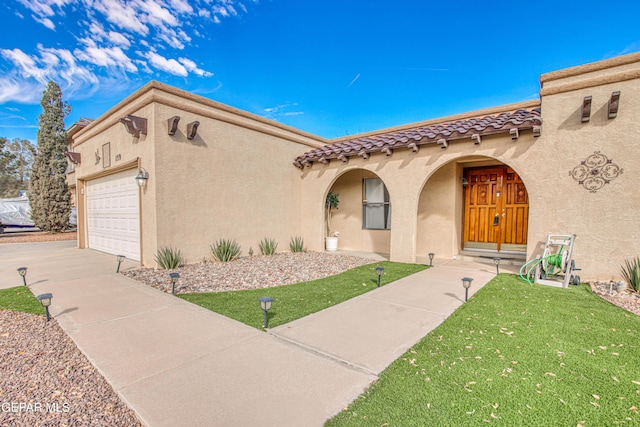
<point>404,208</point>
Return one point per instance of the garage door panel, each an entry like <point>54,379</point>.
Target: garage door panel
<point>113,222</point>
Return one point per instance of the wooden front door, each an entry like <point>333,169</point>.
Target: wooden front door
<point>496,209</point>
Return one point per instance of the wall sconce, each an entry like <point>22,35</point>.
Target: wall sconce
<point>22,271</point>
<point>135,125</point>
<point>172,125</point>
<point>45,300</point>
<point>464,182</point>
<point>379,271</point>
<point>431,255</point>
<point>142,177</point>
<point>466,283</point>
<point>265,304</point>
<point>120,258</point>
<point>496,261</point>
<point>174,278</point>
<point>192,129</point>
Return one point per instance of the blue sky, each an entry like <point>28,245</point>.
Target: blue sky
<point>332,68</point>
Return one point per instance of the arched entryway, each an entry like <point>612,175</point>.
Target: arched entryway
<point>472,205</point>
<point>363,217</point>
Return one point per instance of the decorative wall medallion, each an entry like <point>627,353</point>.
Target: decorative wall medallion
<point>595,171</point>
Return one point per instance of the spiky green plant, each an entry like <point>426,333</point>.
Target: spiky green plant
<point>297,244</point>
<point>169,258</point>
<point>631,273</point>
<point>268,246</point>
<point>225,250</point>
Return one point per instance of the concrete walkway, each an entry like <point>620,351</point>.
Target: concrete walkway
<point>178,364</point>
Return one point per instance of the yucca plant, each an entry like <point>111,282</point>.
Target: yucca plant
<point>225,250</point>
<point>297,244</point>
<point>268,246</point>
<point>169,258</point>
<point>631,273</point>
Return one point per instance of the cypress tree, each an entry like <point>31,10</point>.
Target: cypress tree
<point>49,194</point>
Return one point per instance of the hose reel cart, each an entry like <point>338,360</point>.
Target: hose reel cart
<point>556,265</point>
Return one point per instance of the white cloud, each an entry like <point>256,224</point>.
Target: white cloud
<point>169,65</point>
<point>105,31</point>
<point>282,110</point>
<point>108,57</point>
<point>192,67</point>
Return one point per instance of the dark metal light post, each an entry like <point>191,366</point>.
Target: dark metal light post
<point>45,300</point>
<point>466,282</point>
<point>431,255</point>
<point>496,261</point>
<point>120,258</point>
<point>174,279</point>
<point>265,304</point>
<point>23,273</point>
<point>379,271</point>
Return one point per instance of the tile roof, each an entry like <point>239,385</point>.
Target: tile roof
<point>441,133</point>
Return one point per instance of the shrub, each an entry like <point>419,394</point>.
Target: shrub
<point>169,258</point>
<point>268,246</point>
<point>225,250</point>
<point>297,244</point>
<point>631,273</point>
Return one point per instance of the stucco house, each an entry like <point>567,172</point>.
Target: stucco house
<point>495,181</point>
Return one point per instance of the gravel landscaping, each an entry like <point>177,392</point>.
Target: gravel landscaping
<point>47,381</point>
<point>250,272</point>
<point>625,298</point>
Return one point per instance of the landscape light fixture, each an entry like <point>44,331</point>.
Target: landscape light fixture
<point>265,304</point>
<point>120,258</point>
<point>496,261</point>
<point>45,300</point>
<point>466,282</point>
<point>379,271</point>
<point>174,279</point>
<point>142,177</point>
<point>23,273</point>
<point>431,255</point>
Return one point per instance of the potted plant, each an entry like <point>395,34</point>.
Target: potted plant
<point>331,203</point>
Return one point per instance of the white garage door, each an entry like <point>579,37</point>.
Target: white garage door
<point>113,214</point>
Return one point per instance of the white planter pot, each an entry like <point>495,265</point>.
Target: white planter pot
<point>331,243</point>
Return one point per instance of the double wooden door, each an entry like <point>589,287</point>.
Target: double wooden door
<point>496,209</point>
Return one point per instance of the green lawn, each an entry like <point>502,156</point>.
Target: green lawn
<point>20,298</point>
<point>514,355</point>
<point>292,302</point>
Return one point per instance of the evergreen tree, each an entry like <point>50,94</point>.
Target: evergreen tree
<point>49,194</point>
<point>16,158</point>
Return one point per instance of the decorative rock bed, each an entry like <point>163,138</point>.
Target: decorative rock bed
<point>250,272</point>
<point>624,298</point>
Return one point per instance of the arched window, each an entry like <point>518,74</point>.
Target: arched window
<point>376,208</point>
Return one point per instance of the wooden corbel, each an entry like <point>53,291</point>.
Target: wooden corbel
<point>323,160</point>
<point>443,143</point>
<point>172,125</point>
<point>388,151</point>
<point>134,125</point>
<point>537,130</point>
<point>363,153</point>
<point>515,133</point>
<point>192,129</point>
<point>343,158</point>
<point>476,138</point>
<point>586,109</point>
<point>614,101</point>
<point>413,147</point>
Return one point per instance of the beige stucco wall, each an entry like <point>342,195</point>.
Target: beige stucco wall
<point>233,180</point>
<point>424,186</point>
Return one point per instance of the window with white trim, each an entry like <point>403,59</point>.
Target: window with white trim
<point>376,208</point>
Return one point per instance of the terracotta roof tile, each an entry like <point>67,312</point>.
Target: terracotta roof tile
<point>522,119</point>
